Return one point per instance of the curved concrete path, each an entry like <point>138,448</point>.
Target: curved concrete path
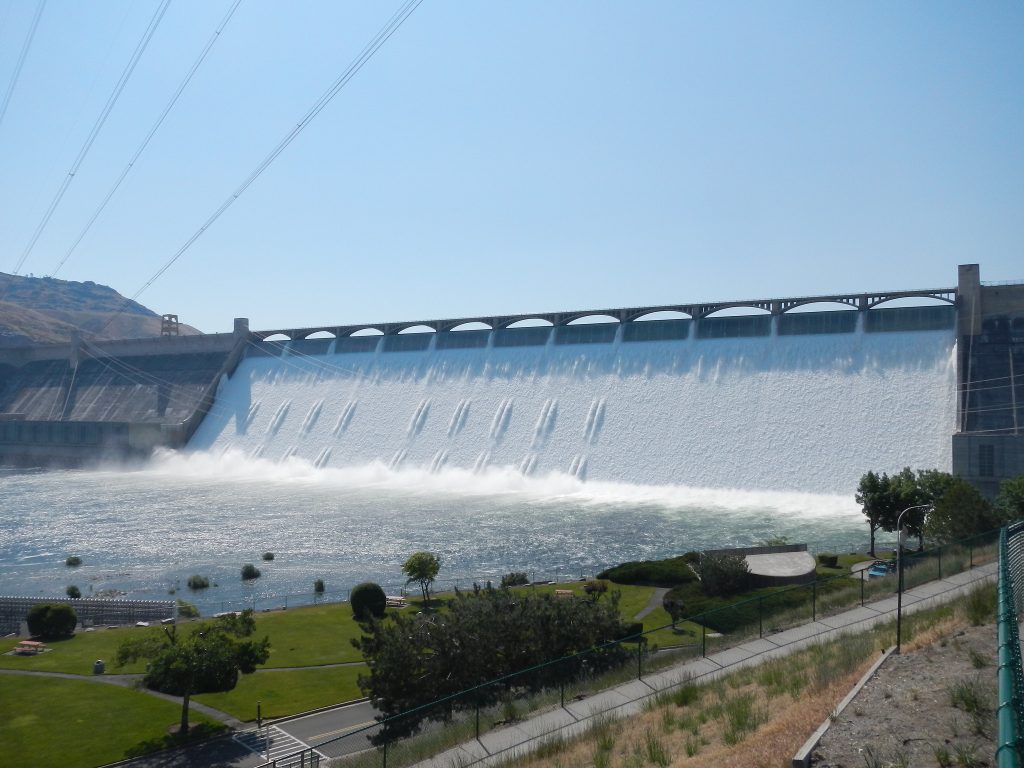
<point>653,604</point>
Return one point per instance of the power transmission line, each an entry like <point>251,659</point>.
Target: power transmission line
<point>149,136</point>
<point>107,108</point>
<point>21,59</point>
<point>357,64</point>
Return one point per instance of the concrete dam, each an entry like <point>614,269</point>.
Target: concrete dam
<point>688,395</point>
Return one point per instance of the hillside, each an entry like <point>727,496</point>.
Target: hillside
<point>47,310</point>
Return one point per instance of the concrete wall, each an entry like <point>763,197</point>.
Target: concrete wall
<point>986,460</point>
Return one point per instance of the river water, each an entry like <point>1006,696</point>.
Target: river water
<point>141,532</point>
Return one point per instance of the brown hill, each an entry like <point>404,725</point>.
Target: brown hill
<point>45,310</point>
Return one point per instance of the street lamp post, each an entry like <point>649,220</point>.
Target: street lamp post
<point>899,570</point>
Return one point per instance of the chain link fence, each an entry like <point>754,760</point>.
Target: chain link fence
<point>1010,716</point>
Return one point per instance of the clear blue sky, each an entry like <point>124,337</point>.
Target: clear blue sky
<point>520,156</point>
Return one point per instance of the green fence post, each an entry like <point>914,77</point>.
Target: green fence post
<point>814,600</point>
<point>562,692</point>
<point>639,658</point>
<point>862,580</point>
<point>940,562</point>
<point>385,750</point>
<point>971,549</point>
<point>760,617</point>
<point>703,639</point>
<point>478,714</point>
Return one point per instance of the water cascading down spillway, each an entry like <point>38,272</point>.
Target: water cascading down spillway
<point>790,413</point>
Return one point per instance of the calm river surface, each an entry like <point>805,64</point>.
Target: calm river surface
<point>141,532</point>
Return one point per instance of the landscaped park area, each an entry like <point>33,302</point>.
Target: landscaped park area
<point>313,663</point>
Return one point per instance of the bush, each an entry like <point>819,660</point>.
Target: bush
<point>195,581</point>
<point>318,586</point>
<point>595,588</point>
<point>368,600</point>
<point>187,610</point>
<point>723,575</point>
<point>651,573</point>
<point>250,571</point>
<point>52,620</point>
<point>268,556</point>
<point>514,579</point>
<point>73,592</point>
<point>828,560</point>
<point>631,632</point>
<point>72,561</point>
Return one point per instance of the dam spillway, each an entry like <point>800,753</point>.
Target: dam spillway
<point>807,407</point>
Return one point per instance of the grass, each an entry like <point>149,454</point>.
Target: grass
<point>76,654</point>
<point>78,724</point>
<point>288,692</point>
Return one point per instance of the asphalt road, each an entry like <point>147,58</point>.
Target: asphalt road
<point>335,726</point>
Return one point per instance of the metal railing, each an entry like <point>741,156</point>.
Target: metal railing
<point>1010,713</point>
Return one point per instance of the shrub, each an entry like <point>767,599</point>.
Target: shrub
<point>268,556</point>
<point>195,581</point>
<point>631,631</point>
<point>73,592</point>
<point>828,560</point>
<point>250,571</point>
<point>187,610</point>
<point>651,573</point>
<point>595,588</point>
<point>318,586</point>
<point>514,579</point>
<point>52,620</point>
<point>368,600</point>
<point>72,561</point>
<point>723,575</point>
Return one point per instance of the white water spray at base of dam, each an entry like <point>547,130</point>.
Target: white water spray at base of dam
<point>788,414</point>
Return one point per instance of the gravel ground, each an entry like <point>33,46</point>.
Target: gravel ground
<point>906,716</point>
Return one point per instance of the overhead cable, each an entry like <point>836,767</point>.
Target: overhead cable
<point>21,59</point>
<point>149,136</point>
<point>357,64</point>
<point>84,151</point>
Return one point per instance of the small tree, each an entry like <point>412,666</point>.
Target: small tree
<point>674,607</point>
<point>723,575</point>
<point>318,586</point>
<point>195,581</point>
<point>595,588</point>
<point>1010,501</point>
<point>961,512</point>
<point>73,592</point>
<point>368,600</point>
<point>52,620</point>
<point>422,568</point>
<point>206,659</point>
<point>514,579</point>
<point>250,572</point>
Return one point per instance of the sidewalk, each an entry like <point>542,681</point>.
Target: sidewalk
<point>629,698</point>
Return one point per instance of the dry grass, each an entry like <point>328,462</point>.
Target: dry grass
<point>759,716</point>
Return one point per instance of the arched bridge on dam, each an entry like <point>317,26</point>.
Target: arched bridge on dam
<point>863,302</point>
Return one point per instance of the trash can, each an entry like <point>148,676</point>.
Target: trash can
<point>98,667</point>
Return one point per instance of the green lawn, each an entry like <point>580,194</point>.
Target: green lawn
<point>76,654</point>
<point>304,637</point>
<point>72,723</point>
<point>287,692</point>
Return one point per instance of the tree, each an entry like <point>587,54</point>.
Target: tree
<point>422,567</point>
<point>871,496</point>
<point>674,606</point>
<point>723,575</point>
<point>205,659</point>
<point>1010,501</point>
<point>52,620</point>
<point>368,599</point>
<point>960,512</point>
<point>883,498</point>
<point>413,660</point>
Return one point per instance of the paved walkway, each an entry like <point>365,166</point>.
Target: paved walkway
<point>653,604</point>
<point>629,698</point>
